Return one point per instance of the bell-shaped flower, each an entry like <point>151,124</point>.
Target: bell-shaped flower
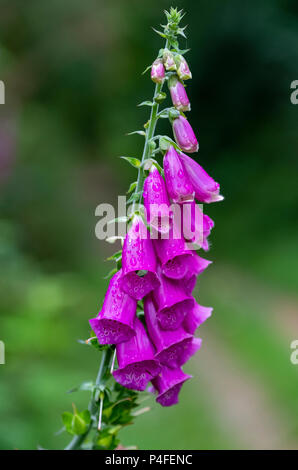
<point>157,71</point>
<point>156,202</point>
<point>115,321</point>
<point>173,347</point>
<point>206,189</point>
<point>195,317</point>
<point>178,94</point>
<point>196,225</point>
<point>138,261</point>
<point>172,303</point>
<point>182,68</point>
<point>184,135</point>
<point>168,60</point>
<point>137,365</point>
<point>168,385</point>
<point>196,266</point>
<point>173,254</point>
<point>177,182</point>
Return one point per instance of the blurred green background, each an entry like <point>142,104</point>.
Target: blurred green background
<point>72,72</point>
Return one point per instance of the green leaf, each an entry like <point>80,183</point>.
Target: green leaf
<point>134,197</point>
<point>163,35</point>
<point>137,132</point>
<point>116,256</point>
<point>110,274</point>
<point>78,424</point>
<point>124,218</point>
<point>135,162</point>
<point>146,69</point>
<point>132,187</point>
<point>67,421</point>
<point>146,103</point>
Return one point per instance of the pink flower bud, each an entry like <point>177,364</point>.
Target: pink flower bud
<point>156,202</point>
<point>115,321</point>
<point>178,184</point>
<point>138,255</point>
<point>178,94</point>
<point>137,365</point>
<point>173,347</point>
<point>168,60</point>
<point>184,135</point>
<point>182,68</point>
<point>168,385</point>
<point>206,189</point>
<point>157,71</point>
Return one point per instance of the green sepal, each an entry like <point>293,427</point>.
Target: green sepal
<point>135,162</point>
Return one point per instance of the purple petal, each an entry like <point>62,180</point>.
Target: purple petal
<point>178,184</point>
<point>115,321</point>
<point>156,202</point>
<point>178,94</point>
<point>168,384</point>
<point>157,71</point>
<point>184,135</point>
<point>196,317</point>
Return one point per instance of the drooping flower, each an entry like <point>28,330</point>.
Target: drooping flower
<point>184,135</point>
<point>157,71</point>
<point>137,365</point>
<point>182,68</point>
<point>115,321</point>
<point>172,302</point>
<point>138,261</point>
<point>195,317</point>
<point>168,385</point>
<point>173,347</point>
<point>178,94</point>
<point>156,202</point>
<point>196,225</point>
<point>178,184</point>
<point>206,189</point>
<point>196,266</point>
<point>168,60</point>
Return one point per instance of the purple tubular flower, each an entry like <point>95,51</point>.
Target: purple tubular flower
<point>173,348</point>
<point>138,262</point>
<point>178,94</point>
<point>115,321</point>
<point>206,189</point>
<point>137,365</point>
<point>173,255</point>
<point>168,385</point>
<point>177,182</point>
<point>195,267</point>
<point>182,68</point>
<point>184,135</point>
<point>157,71</point>
<point>196,317</point>
<point>196,225</point>
<point>172,302</point>
<point>156,202</point>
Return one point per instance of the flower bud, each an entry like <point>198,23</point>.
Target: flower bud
<point>206,189</point>
<point>168,60</point>
<point>178,185</point>
<point>182,68</point>
<point>168,385</point>
<point>184,135</point>
<point>115,321</point>
<point>178,94</point>
<point>173,347</point>
<point>156,202</point>
<point>138,256</point>
<point>157,71</point>
<point>137,365</point>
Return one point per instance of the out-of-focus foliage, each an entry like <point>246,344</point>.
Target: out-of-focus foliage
<point>72,72</point>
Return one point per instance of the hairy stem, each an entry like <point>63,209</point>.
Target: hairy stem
<point>104,367</point>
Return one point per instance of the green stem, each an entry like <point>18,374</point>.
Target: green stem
<point>104,367</point>
<point>149,134</point>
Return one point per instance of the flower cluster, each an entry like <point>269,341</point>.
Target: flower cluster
<point>149,312</point>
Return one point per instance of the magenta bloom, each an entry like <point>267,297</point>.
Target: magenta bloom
<point>156,202</point>
<point>173,347</point>
<point>184,135</point>
<point>157,71</point>
<point>138,262</point>
<point>182,68</point>
<point>168,385</point>
<point>206,189</point>
<point>115,321</point>
<point>137,365</point>
<point>196,225</point>
<point>172,302</point>
<point>178,184</point>
<point>178,94</point>
<point>196,317</point>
